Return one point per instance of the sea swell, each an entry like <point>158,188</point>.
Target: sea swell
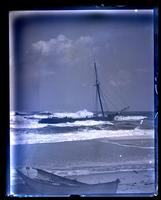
<point>26,129</point>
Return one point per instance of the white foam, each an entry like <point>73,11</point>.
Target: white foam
<point>41,116</point>
<point>34,138</point>
<point>124,118</point>
<point>14,118</point>
<point>82,123</point>
<point>130,146</point>
<point>21,122</point>
<point>17,121</point>
<point>79,114</point>
<point>33,124</point>
<point>12,113</point>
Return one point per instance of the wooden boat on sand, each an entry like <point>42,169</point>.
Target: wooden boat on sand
<point>47,183</point>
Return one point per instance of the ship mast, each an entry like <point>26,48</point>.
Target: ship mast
<point>98,89</point>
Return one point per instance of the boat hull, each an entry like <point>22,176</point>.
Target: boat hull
<point>49,188</point>
<point>55,120</point>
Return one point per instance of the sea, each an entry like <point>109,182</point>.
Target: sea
<point>86,150</point>
<point>26,129</point>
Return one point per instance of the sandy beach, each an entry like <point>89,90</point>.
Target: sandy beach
<point>93,161</point>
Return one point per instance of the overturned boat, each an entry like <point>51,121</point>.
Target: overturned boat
<point>47,183</point>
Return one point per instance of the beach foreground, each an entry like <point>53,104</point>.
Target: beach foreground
<point>91,161</point>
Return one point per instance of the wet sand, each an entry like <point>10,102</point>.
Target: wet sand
<point>92,161</point>
<point>66,154</point>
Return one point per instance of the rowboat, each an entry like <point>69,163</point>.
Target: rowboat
<point>46,183</point>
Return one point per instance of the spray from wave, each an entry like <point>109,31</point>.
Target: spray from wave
<point>26,129</point>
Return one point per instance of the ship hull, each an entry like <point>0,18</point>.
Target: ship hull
<point>55,188</point>
<point>56,120</point>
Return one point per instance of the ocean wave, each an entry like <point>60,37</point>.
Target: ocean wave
<point>129,118</point>
<point>79,114</point>
<point>130,145</point>
<point>46,114</point>
<point>22,123</point>
<point>83,123</point>
<point>33,138</point>
<point>39,116</point>
<point>12,113</point>
<point>30,120</point>
<point>33,124</point>
<point>21,113</point>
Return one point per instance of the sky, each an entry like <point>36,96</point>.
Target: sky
<point>52,60</point>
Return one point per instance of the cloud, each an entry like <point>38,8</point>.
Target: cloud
<point>118,83</point>
<point>122,78</point>
<point>54,45</point>
<point>64,50</point>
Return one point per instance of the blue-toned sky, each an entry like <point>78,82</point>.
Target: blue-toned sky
<point>52,55</point>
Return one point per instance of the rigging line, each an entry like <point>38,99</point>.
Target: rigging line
<point>109,100</point>
<point>116,99</point>
<point>96,102</point>
<point>103,96</point>
<point>112,105</point>
<point>117,102</point>
<point>105,102</point>
<point>100,100</point>
<point>120,99</point>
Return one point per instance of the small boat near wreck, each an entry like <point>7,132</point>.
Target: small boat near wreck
<point>103,116</point>
<point>47,183</point>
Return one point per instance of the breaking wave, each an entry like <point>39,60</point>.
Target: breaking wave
<point>79,114</point>
<point>76,136</point>
<point>26,129</point>
<point>83,123</point>
<point>129,118</point>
